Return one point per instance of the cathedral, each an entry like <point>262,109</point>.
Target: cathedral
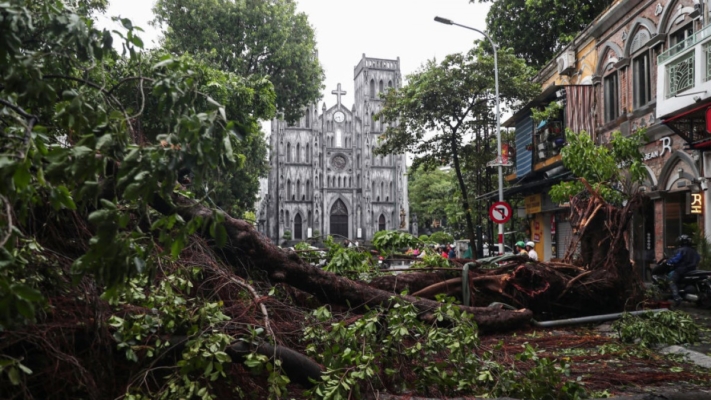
<point>324,178</point>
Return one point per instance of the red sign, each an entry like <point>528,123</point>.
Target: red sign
<point>500,212</point>
<point>505,153</point>
<point>708,119</point>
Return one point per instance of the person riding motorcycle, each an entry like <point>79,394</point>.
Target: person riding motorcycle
<point>520,248</point>
<point>685,260</point>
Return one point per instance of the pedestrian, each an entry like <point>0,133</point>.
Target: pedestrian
<point>531,251</point>
<point>519,247</point>
<point>452,254</point>
<point>445,254</point>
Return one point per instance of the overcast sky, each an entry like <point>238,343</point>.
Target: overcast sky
<point>347,29</point>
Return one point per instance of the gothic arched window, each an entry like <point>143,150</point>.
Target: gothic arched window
<point>308,189</point>
<point>298,229</point>
<point>308,153</point>
<point>390,84</point>
<point>288,152</point>
<point>308,119</point>
<point>288,189</point>
<point>381,223</point>
<point>339,138</point>
<point>298,189</point>
<point>380,86</point>
<point>298,152</point>
<point>382,192</point>
<point>372,88</point>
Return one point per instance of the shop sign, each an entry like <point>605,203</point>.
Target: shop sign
<point>666,146</point>
<point>537,231</point>
<point>697,204</point>
<point>533,203</point>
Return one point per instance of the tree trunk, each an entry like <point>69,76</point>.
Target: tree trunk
<point>286,267</point>
<point>465,196</point>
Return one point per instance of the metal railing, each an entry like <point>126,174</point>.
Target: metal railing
<point>692,40</point>
<point>680,75</point>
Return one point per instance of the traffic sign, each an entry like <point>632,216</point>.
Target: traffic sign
<point>500,212</point>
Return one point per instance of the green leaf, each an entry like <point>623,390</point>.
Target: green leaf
<point>26,292</point>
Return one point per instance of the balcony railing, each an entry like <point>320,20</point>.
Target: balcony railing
<point>680,75</point>
<point>695,38</point>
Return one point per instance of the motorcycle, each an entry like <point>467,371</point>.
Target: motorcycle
<point>694,287</point>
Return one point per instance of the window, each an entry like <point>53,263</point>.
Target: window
<point>308,121</point>
<point>298,152</point>
<point>298,189</point>
<point>372,88</point>
<point>390,84</point>
<point>308,153</point>
<point>308,189</point>
<point>298,230</point>
<point>288,189</point>
<point>339,138</point>
<point>288,152</point>
<point>680,74</point>
<point>681,35</point>
<point>642,80</point>
<point>611,99</point>
<point>380,87</point>
<point>381,223</point>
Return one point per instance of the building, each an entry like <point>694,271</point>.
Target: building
<point>644,64</point>
<point>324,177</point>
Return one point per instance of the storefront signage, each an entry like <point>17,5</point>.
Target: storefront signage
<point>697,204</point>
<point>666,146</point>
<point>533,203</point>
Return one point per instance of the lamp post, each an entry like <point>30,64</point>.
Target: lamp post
<point>498,120</point>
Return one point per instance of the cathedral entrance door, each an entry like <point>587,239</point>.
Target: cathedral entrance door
<point>339,219</point>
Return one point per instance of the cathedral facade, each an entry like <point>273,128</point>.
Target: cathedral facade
<point>324,178</point>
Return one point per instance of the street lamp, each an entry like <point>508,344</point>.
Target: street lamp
<point>499,162</point>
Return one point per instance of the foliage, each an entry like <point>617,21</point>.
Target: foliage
<point>702,246</point>
<point>259,38</point>
<point>600,166</point>
<point>308,253</point>
<point>77,149</point>
<point>388,242</point>
<point>287,235</point>
<point>652,329</point>
<point>537,30</point>
<point>550,112</point>
<point>433,197</point>
<point>444,356</point>
<point>453,99</point>
<point>349,260</point>
<point>441,238</point>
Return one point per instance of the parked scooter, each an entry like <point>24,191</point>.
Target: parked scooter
<point>694,287</point>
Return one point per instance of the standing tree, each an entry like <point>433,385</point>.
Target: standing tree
<point>255,37</point>
<point>538,29</point>
<point>433,198</point>
<point>443,104</point>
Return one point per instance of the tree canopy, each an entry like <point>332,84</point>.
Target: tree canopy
<point>444,104</point>
<point>538,29</point>
<point>613,171</point>
<point>249,38</point>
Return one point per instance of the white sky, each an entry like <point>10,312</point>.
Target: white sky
<point>347,29</point>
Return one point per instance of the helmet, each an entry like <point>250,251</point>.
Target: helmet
<point>520,244</point>
<point>530,243</point>
<point>683,240</point>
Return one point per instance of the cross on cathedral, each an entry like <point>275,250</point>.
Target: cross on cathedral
<point>338,92</point>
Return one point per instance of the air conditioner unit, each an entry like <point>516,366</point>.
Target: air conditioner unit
<point>566,63</point>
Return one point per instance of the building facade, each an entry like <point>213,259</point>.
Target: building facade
<point>324,178</point>
<point>641,64</point>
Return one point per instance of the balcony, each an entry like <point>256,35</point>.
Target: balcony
<point>684,75</point>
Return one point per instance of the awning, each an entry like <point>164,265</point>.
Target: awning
<point>691,125</point>
<point>529,186</point>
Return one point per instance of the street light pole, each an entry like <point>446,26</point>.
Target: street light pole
<point>498,119</point>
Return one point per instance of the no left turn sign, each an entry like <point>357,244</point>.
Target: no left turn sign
<point>500,212</point>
